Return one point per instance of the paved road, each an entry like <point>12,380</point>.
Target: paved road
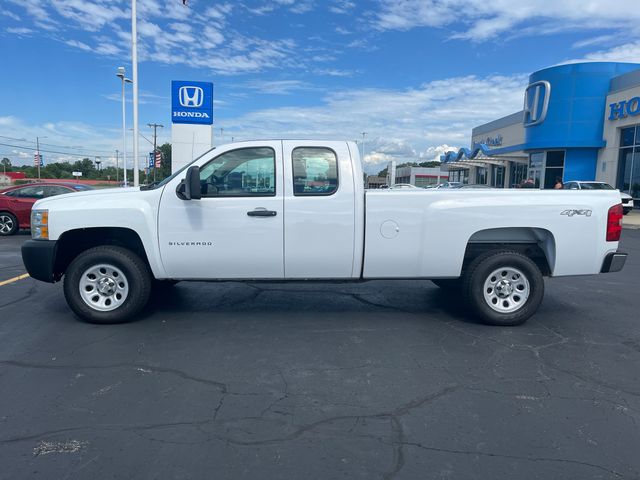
<point>371,380</point>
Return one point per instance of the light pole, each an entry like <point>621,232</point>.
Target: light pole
<point>117,177</point>
<point>221,136</point>
<point>38,156</point>
<point>155,136</point>
<point>121,76</point>
<point>364,134</point>
<point>134,61</point>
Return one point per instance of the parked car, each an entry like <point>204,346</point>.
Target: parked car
<point>16,202</point>
<point>627,200</point>
<point>449,185</point>
<point>401,186</point>
<point>473,185</point>
<point>491,248</point>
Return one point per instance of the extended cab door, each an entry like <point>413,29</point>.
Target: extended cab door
<point>235,231</point>
<point>320,211</point>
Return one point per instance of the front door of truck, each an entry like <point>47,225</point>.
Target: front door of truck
<point>235,231</point>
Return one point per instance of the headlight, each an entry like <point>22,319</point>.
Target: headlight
<point>40,224</point>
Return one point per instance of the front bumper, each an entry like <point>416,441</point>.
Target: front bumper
<point>613,262</point>
<point>39,258</point>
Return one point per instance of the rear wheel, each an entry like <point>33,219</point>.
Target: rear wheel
<point>8,224</point>
<point>503,287</point>
<point>107,284</point>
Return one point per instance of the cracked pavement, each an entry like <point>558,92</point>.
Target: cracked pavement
<point>388,380</point>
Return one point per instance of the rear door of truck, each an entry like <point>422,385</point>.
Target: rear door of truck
<point>320,210</point>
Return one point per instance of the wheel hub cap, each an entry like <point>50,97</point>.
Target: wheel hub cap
<point>103,287</point>
<point>506,290</point>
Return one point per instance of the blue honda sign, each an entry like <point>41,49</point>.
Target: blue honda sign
<point>192,102</point>
<point>624,109</point>
<point>536,102</point>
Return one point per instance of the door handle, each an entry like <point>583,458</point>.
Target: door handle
<point>262,213</point>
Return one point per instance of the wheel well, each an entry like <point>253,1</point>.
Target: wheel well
<point>72,243</point>
<point>536,243</point>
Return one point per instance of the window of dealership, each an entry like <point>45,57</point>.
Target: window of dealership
<point>629,161</point>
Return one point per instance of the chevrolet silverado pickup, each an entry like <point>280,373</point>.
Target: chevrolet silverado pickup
<point>297,210</point>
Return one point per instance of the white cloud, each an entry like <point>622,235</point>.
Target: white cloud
<point>341,6</point>
<point>406,125</point>
<point>19,30</point>
<point>479,20</point>
<point>278,87</point>
<point>629,52</point>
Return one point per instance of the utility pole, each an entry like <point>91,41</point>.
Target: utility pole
<point>38,156</point>
<point>117,177</point>
<point>155,136</point>
<point>364,134</point>
<point>221,136</point>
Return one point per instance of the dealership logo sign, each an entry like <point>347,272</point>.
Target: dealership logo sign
<point>192,102</point>
<point>624,109</point>
<point>191,96</point>
<point>536,102</point>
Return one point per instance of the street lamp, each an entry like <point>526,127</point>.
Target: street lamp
<point>121,76</point>
<point>364,134</point>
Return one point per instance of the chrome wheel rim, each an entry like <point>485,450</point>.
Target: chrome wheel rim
<point>6,224</point>
<point>104,287</point>
<point>506,290</point>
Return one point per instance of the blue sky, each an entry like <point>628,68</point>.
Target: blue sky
<point>416,75</point>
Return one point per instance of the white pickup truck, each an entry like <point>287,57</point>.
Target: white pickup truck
<point>297,210</point>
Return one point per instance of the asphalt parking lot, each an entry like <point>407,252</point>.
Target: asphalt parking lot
<point>318,381</point>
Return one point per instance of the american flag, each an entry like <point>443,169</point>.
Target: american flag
<point>158,159</point>
<point>37,160</point>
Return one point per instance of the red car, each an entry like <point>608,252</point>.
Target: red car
<point>16,202</point>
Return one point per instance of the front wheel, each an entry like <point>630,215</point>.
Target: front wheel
<point>8,224</point>
<point>503,287</point>
<point>107,284</point>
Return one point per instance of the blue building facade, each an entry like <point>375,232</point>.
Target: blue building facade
<point>570,128</point>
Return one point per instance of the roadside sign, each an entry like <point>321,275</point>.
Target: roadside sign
<point>76,174</point>
<point>150,160</point>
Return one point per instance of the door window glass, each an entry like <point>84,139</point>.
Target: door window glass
<point>315,171</point>
<point>245,172</point>
<point>29,192</point>
<point>53,190</point>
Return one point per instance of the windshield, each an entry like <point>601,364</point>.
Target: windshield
<point>178,172</point>
<point>595,186</point>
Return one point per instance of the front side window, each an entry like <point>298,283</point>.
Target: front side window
<point>315,171</point>
<point>245,172</point>
<point>29,192</point>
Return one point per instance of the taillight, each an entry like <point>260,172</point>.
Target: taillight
<point>614,223</point>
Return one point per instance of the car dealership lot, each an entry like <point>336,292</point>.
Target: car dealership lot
<point>368,380</point>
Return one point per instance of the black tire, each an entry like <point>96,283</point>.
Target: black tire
<point>8,224</point>
<point>448,284</point>
<point>506,310</point>
<point>136,275</point>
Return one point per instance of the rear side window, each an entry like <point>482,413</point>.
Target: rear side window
<point>53,190</point>
<point>315,171</point>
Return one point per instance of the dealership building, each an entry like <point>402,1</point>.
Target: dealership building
<point>580,121</point>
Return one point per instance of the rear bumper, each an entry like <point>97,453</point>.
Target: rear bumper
<point>613,262</point>
<point>39,258</point>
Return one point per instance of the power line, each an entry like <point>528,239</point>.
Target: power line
<point>73,154</point>
<point>72,147</point>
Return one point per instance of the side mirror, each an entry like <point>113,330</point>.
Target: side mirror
<point>189,188</point>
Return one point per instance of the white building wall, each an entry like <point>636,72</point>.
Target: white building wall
<point>607,167</point>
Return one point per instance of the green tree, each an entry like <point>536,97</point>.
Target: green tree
<point>165,169</point>
<point>6,164</point>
